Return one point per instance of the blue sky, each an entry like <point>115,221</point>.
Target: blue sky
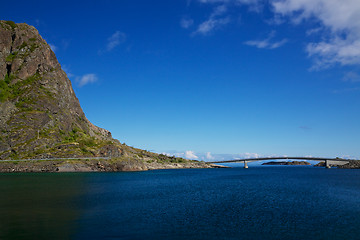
<point>212,79</point>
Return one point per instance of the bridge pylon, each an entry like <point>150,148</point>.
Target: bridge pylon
<point>245,164</point>
<point>327,164</point>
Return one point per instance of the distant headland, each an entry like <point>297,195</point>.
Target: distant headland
<point>287,163</point>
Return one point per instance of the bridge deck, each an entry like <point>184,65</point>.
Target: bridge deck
<point>286,158</point>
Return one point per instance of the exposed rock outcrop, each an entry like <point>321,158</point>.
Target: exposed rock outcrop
<point>351,164</point>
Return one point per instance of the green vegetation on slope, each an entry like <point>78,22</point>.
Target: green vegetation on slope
<point>12,91</point>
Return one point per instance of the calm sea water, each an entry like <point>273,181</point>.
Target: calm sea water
<point>255,203</point>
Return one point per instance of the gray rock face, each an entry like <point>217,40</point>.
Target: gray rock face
<point>40,116</point>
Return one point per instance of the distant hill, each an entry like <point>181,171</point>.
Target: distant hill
<point>40,116</point>
<point>287,163</point>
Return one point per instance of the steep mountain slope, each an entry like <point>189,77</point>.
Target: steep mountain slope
<point>39,112</point>
<point>40,116</point>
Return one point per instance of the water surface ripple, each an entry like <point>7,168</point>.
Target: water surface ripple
<point>256,203</point>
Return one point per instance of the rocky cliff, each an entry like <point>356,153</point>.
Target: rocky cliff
<point>40,116</point>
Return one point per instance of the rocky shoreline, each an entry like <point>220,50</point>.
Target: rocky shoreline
<point>125,165</point>
<point>88,165</point>
<point>351,165</point>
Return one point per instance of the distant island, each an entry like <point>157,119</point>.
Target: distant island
<point>288,163</point>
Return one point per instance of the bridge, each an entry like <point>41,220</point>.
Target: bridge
<point>328,161</point>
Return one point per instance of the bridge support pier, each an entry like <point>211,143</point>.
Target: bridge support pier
<point>327,165</point>
<point>245,164</point>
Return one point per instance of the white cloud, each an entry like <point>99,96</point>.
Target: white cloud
<point>115,39</point>
<point>335,14</point>
<point>86,79</point>
<point>254,5</point>
<point>186,22</point>
<point>167,154</point>
<point>337,23</point>
<point>211,24</point>
<point>53,47</point>
<point>335,50</point>
<point>190,155</point>
<point>351,77</point>
<point>267,43</point>
<point>218,11</point>
<point>313,31</point>
<point>341,19</point>
<point>67,71</point>
<point>215,21</point>
<point>209,156</point>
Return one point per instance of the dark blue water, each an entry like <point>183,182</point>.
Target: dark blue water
<point>255,203</point>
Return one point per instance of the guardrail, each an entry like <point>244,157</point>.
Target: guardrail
<point>285,158</point>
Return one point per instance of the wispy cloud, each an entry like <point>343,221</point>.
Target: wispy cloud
<point>53,47</point>
<point>214,22</point>
<point>220,16</point>
<point>346,90</point>
<point>210,25</point>
<point>87,79</point>
<point>336,50</point>
<point>114,40</point>
<point>67,70</point>
<point>313,31</point>
<point>267,43</point>
<point>63,45</point>
<point>351,77</point>
<point>186,22</point>
<point>337,21</point>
